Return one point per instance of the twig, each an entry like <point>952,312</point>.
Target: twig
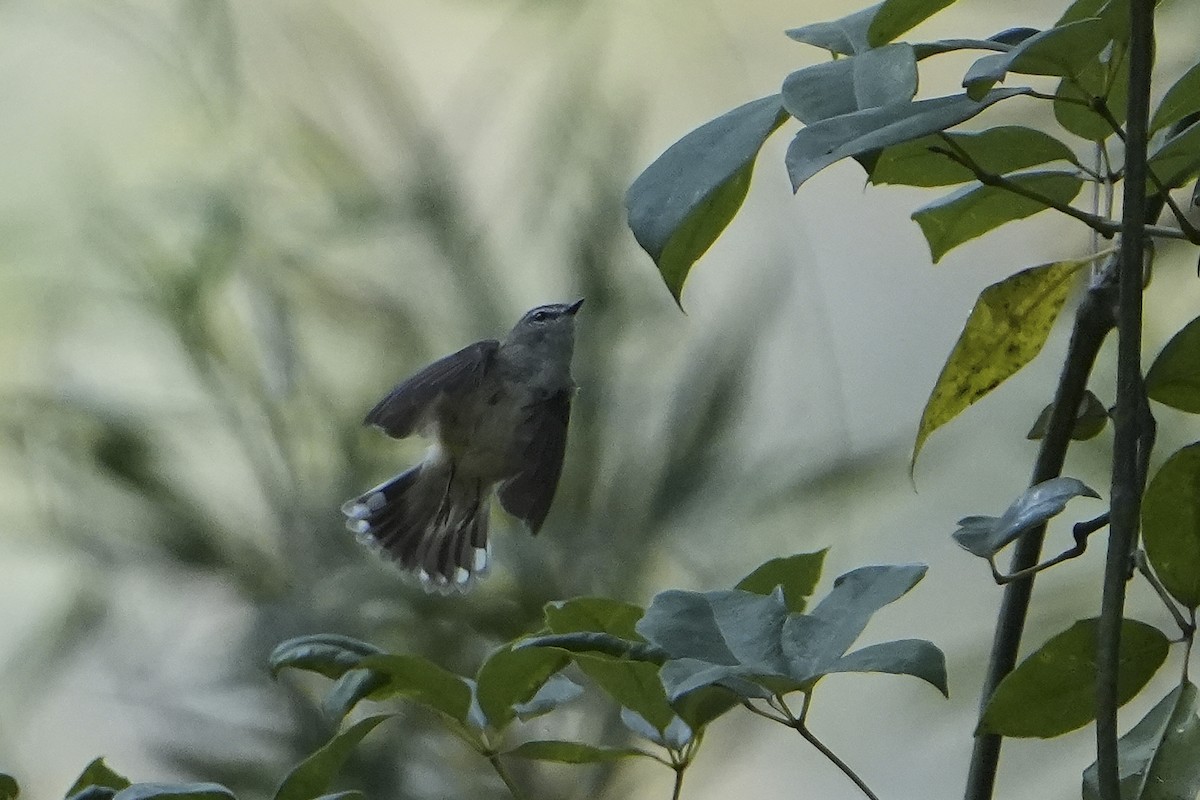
<point>677,792</point>
<point>1081,531</point>
<point>1140,563</point>
<point>1108,228</point>
<point>765,714</point>
<point>1093,321</point>
<point>502,771</point>
<point>797,723</point>
<point>1190,232</point>
<point>1130,435</point>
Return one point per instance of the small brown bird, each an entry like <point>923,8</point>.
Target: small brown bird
<point>497,413</point>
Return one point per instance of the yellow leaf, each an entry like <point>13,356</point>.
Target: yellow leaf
<point>1006,329</point>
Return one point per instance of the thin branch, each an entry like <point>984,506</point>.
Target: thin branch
<point>1143,567</point>
<point>1105,227</point>
<point>1131,433</point>
<point>1093,321</point>
<point>1081,531</point>
<point>680,761</point>
<point>498,765</point>
<point>797,723</point>
<point>1108,228</point>
<point>765,714</point>
<point>1189,231</point>
<point>677,791</point>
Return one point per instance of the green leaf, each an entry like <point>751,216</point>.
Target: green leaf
<point>868,80</point>
<point>985,536</point>
<point>1011,37</point>
<point>915,657</point>
<point>896,17</point>
<point>1061,51</point>
<point>421,681</point>
<point>1006,329</point>
<point>1107,80</point>
<point>1173,378</point>
<point>573,752</point>
<point>1157,758</point>
<point>1171,524</point>
<point>683,677</point>
<point>511,677</point>
<point>1090,419</point>
<point>174,791</point>
<point>593,614</point>
<point>597,643</point>
<point>1178,159</point>
<point>997,151</point>
<point>1081,9</point>
<point>557,691</point>
<point>1053,691</point>
<point>975,210</point>
<point>714,637</point>
<point>675,736</point>
<point>701,707</point>
<point>312,776</point>
<point>93,793</point>
<point>855,598</point>
<point>349,794</point>
<point>9,789</point>
<point>1181,99</point>
<point>796,575</point>
<point>97,773</point>
<point>830,140</point>
<point>845,36</point>
<point>329,654</point>
<point>354,685</point>
<point>747,642</point>
<point>729,627</point>
<point>985,73</point>
<point>683,201</point>
<point>635,685</point>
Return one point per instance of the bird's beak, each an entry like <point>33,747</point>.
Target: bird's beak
<point>574,307</point>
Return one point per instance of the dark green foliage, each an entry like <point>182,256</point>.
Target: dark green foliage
<point>998,151</point>
<point>977,209</point>
<point>99,774</point>
<point>681,203</point>
<point>1173,378</point>
<point>1182,99</point>
<point>863,132</point>
<point>796,576</point>
<point>755,645</point>
<point>312,776</point>
<point>1171,525</point>
<point>509,680</point>
<point>1053,691</point>
<point>572,752</point>
<point>1090,420</point>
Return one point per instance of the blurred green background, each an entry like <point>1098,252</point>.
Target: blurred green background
<point>228,228</point>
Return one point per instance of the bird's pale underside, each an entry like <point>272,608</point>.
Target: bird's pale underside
<point>497,414</point>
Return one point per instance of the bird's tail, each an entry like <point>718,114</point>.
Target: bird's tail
<point>429,520</point>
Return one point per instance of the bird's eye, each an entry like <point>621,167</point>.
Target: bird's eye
<point>540,316</point>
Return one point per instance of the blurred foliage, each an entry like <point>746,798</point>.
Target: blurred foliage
<point>211,355</point>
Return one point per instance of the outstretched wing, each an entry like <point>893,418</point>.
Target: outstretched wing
<point>528,494</point>
<point>406,406</point>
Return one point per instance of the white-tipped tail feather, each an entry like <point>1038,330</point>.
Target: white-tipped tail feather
<point>428,521</point>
